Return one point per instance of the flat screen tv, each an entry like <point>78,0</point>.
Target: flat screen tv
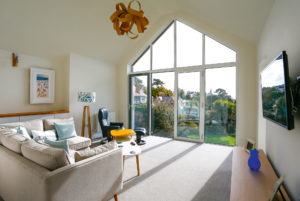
<point>276,94</point>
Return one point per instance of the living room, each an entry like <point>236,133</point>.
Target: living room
<point>77,41</point>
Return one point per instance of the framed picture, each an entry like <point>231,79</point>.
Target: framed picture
<point>42,83</point>
<point>250,144</point>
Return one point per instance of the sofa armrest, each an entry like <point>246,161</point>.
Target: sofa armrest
<point>95,178</point>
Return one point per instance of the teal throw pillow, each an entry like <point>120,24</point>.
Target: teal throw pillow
<point>23,131</point>
<point>63,144</point>
<point>65,130</point>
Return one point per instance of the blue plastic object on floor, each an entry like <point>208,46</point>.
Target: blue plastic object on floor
<point>253,161</point>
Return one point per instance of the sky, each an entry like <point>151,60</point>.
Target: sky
<point>189,53</point>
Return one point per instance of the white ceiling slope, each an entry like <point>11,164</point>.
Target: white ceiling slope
<point>54,28</point>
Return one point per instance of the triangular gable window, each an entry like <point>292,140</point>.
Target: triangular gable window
<point>191,47</point>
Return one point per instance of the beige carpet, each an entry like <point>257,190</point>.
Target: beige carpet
<point>178,171</point>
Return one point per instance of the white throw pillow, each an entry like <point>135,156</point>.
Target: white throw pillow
<point>41,135</point>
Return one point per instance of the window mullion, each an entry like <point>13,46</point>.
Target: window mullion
<point>150,103</point>
<point>175,44</point>
<point>203,49</point>
<point>151,57</point>
<point>202,105</point>
<point>175,104</point>
<point>176,80</point>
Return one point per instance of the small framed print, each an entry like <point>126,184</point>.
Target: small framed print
<point>250,144</point>
<point>42,86</point>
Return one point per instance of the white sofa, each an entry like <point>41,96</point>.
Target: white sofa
<point>31,172</point>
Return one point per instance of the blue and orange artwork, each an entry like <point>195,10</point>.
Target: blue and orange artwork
<point>42,88</point>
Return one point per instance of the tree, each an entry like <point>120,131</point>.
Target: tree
<point>161,91</point>
<point>163,111</point>
<point>157,83</point>
<point>181,93</point>
<point>138,82</point>
<point>222,93</point>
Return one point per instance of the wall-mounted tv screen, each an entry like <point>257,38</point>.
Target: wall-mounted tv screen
<point>276,95</point>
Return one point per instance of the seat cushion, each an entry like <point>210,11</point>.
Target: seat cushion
<point>89,152</point>
<point>78,142</point>
<point>49,123</point>
<point>44,155</point>
<point>13,142</point>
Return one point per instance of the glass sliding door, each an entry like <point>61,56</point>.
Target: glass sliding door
<point>220,106</point>
<point>162,118</point>
<point>188,105</point>
<point>139,105</point>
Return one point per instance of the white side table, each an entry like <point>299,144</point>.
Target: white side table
<point>129,149</point>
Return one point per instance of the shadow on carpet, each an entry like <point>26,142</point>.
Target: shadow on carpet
<point>219,185</point>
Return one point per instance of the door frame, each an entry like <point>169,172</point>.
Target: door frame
<point>201,72</point>
<point>130,101</point>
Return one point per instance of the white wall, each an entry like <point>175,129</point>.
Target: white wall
<point>281,32</point>
<point>91,75</point>
<point>73,73</point>
<point>15,84</point>
<point>246,71</point>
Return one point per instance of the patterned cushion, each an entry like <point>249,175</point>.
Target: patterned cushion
<point>41,135</point>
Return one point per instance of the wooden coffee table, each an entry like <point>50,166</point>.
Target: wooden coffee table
<point>129,149</point>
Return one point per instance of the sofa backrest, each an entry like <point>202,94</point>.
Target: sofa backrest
<point>49,123</point>
<point>36,124</point>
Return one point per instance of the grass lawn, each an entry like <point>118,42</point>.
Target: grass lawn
<point>220,139</point>
<point>217,138</point>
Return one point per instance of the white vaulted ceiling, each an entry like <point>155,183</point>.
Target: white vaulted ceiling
<point>54,28</point>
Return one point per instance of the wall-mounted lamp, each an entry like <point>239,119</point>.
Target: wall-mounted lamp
<point>15,60</point>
